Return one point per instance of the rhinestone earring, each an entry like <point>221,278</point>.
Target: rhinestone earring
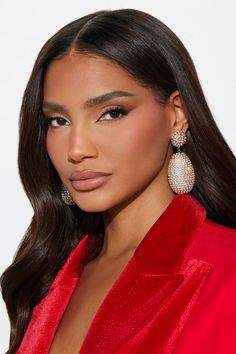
<point>181,174</point>
<point>66,197</point>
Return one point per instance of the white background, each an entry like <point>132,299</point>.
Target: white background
<point>206,27</point>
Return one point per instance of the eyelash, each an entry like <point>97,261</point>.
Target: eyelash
<point>117,110</point>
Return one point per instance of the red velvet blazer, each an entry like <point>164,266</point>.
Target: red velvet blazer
<point>177,294</point>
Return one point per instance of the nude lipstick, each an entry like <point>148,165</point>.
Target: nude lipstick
<point>88,180</point>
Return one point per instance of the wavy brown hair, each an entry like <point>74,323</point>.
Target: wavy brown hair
<point>154,56</point>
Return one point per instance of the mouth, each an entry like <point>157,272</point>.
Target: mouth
<point>87,180</point>
<point>88,184</point>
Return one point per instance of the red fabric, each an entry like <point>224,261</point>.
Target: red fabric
<point>177,294</point>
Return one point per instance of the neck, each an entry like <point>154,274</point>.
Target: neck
<point>127,225</point>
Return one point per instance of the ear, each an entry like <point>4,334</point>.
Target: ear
<point>179,119</point>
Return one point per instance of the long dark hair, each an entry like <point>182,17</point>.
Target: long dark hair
<point>152,53</point>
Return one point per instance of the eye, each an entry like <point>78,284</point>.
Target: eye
<point>57,121</point>
<point>114,113</point>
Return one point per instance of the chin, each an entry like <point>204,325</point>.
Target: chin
<point>92,205</point>
<point>91,208</point>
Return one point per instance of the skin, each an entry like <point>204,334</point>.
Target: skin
<point>135,148</point>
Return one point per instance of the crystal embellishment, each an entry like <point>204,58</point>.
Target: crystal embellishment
<point>178,139</point>
<point>66,197</point>
<point>181,174</point>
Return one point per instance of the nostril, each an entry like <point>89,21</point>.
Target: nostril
<point>79,153</point>
<point>76,154</point>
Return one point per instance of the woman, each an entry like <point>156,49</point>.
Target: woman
<point>131,248</point>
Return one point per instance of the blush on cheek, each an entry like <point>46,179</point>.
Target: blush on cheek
<point>55,151</point>
<point>152,127</point>
<point>145,130</point>
<point>49,145</point>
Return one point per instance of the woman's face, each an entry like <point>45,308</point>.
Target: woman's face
<point>102,120</point>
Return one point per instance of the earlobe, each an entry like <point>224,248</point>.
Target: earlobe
<point>180,120</point>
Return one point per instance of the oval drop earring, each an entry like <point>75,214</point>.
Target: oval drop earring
<point>66,197</point>
<point>181,175</point>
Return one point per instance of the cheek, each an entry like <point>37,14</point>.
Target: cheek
<point>140,142</point>
<point>56,145</point>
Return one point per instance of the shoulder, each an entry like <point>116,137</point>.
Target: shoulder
<point>219,237</point>
<point>218,229</point>
<point>214,243</point>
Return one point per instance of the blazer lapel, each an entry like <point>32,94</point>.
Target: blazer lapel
<point>157,286</point>
<point>48,313</point>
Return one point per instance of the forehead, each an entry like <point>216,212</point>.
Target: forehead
<point>82,73</point>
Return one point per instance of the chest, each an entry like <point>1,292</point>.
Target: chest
<point>91,290</point>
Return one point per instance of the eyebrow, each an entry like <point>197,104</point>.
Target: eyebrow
<point>92,102</point>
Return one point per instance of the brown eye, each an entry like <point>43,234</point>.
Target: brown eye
<point>57,121</point>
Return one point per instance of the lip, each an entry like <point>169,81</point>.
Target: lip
<point>88,180</point>
<point>86,174</point>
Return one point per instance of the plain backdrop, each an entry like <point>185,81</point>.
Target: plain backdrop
<point>206,27</point>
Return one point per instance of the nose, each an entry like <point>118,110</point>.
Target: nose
<point>81,145</point>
